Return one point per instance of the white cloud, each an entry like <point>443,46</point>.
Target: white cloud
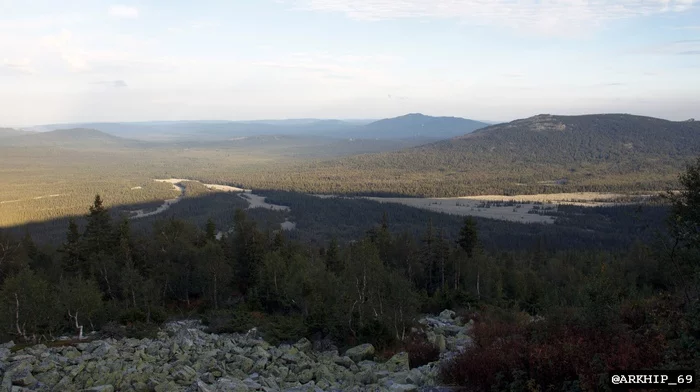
<point>112,83</point>
<point>123,11</point>
<point>545,16</point>
<point>682,47</point>
<point>340,67</point>
<point>40,21</point>
<point>23,65</point>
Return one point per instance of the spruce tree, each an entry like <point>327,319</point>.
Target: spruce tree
<point>210,234</point>
<point>333,262</point>
<point>98,233</point>
<point>72,260</point>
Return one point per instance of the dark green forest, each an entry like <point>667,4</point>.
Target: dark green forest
<point>631,307</point>
<point>541,154</point>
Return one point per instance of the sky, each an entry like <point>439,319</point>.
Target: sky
<point>498,60</point>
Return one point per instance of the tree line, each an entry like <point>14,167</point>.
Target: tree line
<point>372,289</point>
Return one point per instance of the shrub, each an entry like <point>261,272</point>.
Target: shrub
<point>378,334</point>
<point>420,351</point>
<point>139,330</point>
<point>548,354</point>
<point>158,315</point>
<point>229,321</point>
<point>112,330</point>
<point>499,348</point>
<point>132,315</point>
<point>284,329</point>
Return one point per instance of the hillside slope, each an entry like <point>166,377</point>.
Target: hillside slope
<point>70,138</point>
<point>11,132</point>
<point>417,125</point>
<point>403,127</point>
<point>541,154</point>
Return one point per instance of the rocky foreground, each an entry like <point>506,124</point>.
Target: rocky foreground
<point>185,358</point>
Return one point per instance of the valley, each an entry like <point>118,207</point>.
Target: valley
<point>275,233</point>
<point>254,201</point>
<point>348,195</point>
<point>540,208</point>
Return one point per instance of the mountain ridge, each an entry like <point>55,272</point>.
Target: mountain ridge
<point>70,137</point>
<point>408,126</point>
<point>596,152</point>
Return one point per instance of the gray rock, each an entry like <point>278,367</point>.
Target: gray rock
<point>22,378</point>
<point>398,363</point>
<point>4,353</point>
<point>403,388</point>
<point>203,387</point>
<point>100,388</point>
<point>184,358</point>
<point>358,353</point>
<point>228,385</point>
<point>303,345</point>
<point>305,376</point>
<point>345,361</point>
<point>185,375</point>
<point>447,315</point>
<point>21,357</point>
<point>9,344</point>
<point>440,343</point>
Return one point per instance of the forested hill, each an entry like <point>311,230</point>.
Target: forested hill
<point>544,153</point>
<point>416,124</point>
<point>585,139</point>
<point>11,132</point>
<point>70,138</point>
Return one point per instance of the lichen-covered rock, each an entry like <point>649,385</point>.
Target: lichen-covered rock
<point>447,315</point>
<point>358,353</point>
<point>184,358</point>
<point>398,363</point>
<point>100,388</point>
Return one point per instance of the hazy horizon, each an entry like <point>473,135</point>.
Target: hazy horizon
<point>101,61</point>
<point>359,120</point>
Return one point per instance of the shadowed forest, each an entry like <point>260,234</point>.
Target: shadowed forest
<point>631,301</point>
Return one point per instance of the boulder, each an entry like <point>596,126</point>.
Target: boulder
<point>305,376</point>
<point>100,388</point>
<point>447,315</point>
<point>440,343</point>
<point>23,378</point>
<point>358,353</point>
<point>203,387</point>
<point>345,362</point>
<point>184,375</point>
<point>19,373</point>
<point>303,345</point>
<point>398,363</point>
<point>403,388</point>
<point>9,344</point>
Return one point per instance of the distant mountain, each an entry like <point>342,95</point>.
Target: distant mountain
<point>11,132</point>
<point>211,130</point>
<point>417,125</point>
<point>70,138</point>
<point>406,127</point>
<point>544,153</point>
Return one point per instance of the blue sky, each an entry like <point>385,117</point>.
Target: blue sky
<point>80,60</point>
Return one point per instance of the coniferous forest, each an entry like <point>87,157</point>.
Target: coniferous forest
<point>552,319</point>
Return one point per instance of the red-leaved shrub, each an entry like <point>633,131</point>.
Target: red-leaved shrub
<point>420,351</point>
<point>544,355</point>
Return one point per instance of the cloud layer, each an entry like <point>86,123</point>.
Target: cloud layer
<point>112,83</point>
<point>123,11</point>
<point>550,16</point>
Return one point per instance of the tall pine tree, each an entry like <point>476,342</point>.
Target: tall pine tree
<point>72,260</point>
<point>98,233</point>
